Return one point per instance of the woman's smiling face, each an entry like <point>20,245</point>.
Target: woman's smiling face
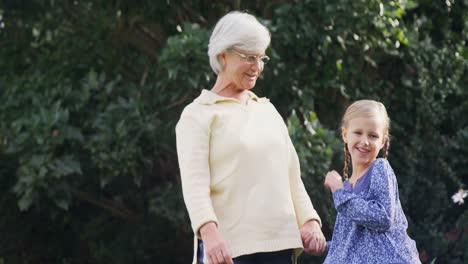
<point>242,74</point>
<point>365,138</point>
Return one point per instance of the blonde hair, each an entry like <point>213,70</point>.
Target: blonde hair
<point>365,108</point>
<point>237,29</point>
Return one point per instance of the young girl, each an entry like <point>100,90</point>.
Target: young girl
<point>370,225</point>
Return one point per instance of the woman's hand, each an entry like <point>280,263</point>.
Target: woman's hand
<point>333,181</point>
<point>216,248</point>
<point>312,238</point>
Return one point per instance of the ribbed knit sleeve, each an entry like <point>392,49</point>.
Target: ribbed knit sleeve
<point>302,205</point>
<point>193,137</point>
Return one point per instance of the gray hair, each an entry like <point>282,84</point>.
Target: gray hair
<point>236,29</point>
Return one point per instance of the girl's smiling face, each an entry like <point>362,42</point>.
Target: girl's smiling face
<point>365,138</point>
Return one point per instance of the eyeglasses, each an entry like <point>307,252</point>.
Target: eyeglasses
<point>251,59</point>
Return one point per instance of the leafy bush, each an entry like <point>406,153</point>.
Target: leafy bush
<point>315,146</point>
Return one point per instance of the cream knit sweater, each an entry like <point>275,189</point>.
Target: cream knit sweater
<point>240,170</point>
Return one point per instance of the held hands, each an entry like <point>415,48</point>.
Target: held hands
<point>216,248</point>
<point>312,238</point>
<point>333,181</point>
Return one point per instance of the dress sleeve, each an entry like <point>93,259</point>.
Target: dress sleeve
<point>327,247</point>
<point>378,212</point>
<point>193,151</point>
<point>302,205</point>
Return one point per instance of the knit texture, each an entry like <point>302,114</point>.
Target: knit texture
<point>240,170</point>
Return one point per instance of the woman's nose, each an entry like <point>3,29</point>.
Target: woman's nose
<point>258,65</point>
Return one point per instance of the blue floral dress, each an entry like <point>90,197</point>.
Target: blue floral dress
<point>370,225</point>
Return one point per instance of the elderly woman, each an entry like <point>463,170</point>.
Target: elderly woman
<point>240,172</point>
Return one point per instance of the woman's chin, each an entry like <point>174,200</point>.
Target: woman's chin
<point>249,85</point>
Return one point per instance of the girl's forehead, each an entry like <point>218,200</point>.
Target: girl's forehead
<point>367,122</point>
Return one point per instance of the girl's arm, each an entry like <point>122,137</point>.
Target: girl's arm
<point>376,214</point>
<point>327,247</point>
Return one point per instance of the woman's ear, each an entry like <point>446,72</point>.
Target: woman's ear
<point>222,59</point>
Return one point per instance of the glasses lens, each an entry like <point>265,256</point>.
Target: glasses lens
<point>251,59</point>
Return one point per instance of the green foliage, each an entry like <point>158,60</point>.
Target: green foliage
<point>184,66</point>
<point>315,146</point>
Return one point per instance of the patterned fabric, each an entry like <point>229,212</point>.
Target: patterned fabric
<point>200,250</point>
<point>370,225</point>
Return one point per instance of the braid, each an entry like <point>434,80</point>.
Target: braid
<point>347,158</point>
<point>385,148</point>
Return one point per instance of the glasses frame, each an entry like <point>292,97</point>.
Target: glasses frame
<point>250,58</point>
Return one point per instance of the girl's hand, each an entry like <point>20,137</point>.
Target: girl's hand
<point>216,248</point>
<point>333,181</point>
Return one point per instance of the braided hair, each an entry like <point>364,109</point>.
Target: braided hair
<point>347,160</point>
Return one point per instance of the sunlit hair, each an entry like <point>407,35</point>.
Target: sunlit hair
<point>237,29</point>
<point>365,108</point>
